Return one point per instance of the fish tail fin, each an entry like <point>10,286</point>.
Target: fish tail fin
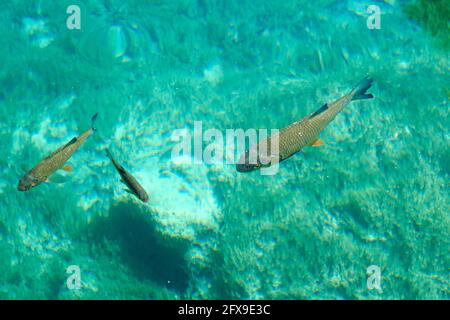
<point>93,119</point>
<point>359,92</point>
<point>109,155</point>
<point>113,161</point>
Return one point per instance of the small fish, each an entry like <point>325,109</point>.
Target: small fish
<point>126,178</point>
<point>301,133</point>
<point>49,165</point>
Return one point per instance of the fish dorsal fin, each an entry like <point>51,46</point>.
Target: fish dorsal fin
<point>121,169</point>
<point>62,148</point>
<point>319,111</point>
<point>74,139</point>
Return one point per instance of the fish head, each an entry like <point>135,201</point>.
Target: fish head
<point>27,182</point>
<point>244,167</point>
<point>143,196</point>
<point>246,164</point>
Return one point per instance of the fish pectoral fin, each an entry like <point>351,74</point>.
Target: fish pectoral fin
<point>317,143</point>
<point>56,178</point>
<point>124,182</point>
<point>67,167</point>
<point>129,191</point>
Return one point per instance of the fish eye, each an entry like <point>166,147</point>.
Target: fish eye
<point>28,181</point>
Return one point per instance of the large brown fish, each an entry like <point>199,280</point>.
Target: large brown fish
<point>301,133</point>
<point>126,178</point>
<point>49,165</point>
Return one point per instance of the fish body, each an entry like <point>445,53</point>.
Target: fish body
<point>55,161</point>
<point>134,187</point>
<point>302,133</point>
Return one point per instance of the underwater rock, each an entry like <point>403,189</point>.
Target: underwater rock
<point>214,74</point>
<point>374,194</point>
<point>37,32</point>
<point>432,16</point>
<point>117,41</point>
<point>106,43</point>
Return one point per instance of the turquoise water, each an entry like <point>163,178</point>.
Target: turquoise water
<point>376,193</point>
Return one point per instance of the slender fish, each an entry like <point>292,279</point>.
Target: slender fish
<point>49,165</point>
<point>126,178</point>
<point>302,133</point>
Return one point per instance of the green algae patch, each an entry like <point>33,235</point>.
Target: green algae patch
<point>434,16</point>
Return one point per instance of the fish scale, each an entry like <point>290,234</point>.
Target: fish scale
<point>57,159</point>
<point>304,132</point>
<point>50,164</point>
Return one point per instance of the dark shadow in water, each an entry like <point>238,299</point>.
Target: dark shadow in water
<point>149,253</point>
